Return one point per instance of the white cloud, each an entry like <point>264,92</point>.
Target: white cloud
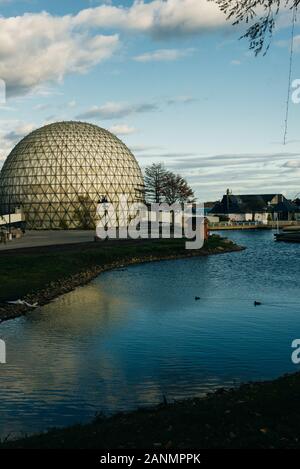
<point>112,110</point>
<point>9,137</point>
<point>38,48</point>
<point>72,103</point>
<point>164,55</point>
<point>293,164</point>
<point>235,62</point>
<point>117,110</point>
<point>41,107</point>
<point>296,43</point>
<point>287,43</point>
<point>181,100</point>
<point>143,148</point>
<point>157,17</point>
<point>122,129</point>
<point>13,137</point>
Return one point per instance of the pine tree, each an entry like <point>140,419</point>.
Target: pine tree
<point>155,178</point>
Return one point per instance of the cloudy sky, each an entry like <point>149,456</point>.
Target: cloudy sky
<point>170,77</point>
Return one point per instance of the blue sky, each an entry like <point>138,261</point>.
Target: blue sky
<point>170,77</point>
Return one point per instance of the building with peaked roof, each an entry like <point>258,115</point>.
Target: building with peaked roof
<point>258,207</point>
<point>57,174</point>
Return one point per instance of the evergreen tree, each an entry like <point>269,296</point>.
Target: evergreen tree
<point>155,179</point>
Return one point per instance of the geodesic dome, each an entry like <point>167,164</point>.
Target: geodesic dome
<point>58,173</point>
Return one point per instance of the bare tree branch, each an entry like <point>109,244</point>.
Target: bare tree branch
<point>164,186</point>
<point>259,14</point>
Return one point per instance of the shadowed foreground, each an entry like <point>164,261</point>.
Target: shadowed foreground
<point>256,415</point>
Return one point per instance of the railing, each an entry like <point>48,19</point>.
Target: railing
<point>237,223</point>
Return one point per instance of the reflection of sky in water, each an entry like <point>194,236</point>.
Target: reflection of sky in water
<point>131,336</point>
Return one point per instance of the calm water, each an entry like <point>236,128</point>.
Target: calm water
<point>132,336</point>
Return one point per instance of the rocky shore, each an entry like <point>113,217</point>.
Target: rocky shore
<point>53,289</point>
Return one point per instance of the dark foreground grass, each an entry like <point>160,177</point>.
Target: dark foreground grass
<point>26,271</point>
<point>258,415</point>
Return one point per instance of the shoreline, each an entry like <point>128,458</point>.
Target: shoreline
<point>57,288</point>
<point>254,415</point>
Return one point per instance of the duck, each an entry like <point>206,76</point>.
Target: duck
<point>197,298</point>
<point>257,303</point>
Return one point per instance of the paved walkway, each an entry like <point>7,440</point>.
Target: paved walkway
<point>48,238</point>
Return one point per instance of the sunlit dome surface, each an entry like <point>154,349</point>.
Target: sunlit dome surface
<point>58,173</point>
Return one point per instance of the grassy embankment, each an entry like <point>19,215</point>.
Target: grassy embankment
<point>42,273</point>
<point>258,415</point>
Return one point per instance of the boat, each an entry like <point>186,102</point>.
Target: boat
<point>288,236</point>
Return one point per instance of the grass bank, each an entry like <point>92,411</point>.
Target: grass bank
<point>256,415</point>
<point>43,273</point>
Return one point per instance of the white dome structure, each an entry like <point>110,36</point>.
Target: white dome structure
<point>58,173</point>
